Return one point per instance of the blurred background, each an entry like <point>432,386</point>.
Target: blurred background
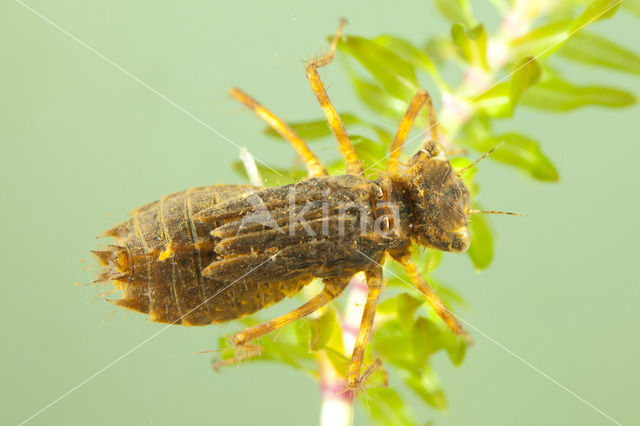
<point>82,143</point>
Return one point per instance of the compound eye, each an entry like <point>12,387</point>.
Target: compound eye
<point>386,224</point>
<point>434,151</point>
<point>460,240</point>
<point>379,193</point>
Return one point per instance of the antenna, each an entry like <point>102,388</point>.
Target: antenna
<point>485,155</point>
<point>474,211</point>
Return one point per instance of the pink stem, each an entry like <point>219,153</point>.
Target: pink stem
<point>337,401</point>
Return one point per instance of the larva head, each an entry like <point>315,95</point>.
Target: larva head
<point>440,199</point>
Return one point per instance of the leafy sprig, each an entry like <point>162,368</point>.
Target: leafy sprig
<point>503,70</point>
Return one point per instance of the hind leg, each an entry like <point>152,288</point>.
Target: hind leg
<point>313,164</point>
<point>332,289</point>
<point>353,164</point>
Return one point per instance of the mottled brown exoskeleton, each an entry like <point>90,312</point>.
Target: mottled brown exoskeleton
<point>217,253</point>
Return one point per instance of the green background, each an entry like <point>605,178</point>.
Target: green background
<point>82,143</point>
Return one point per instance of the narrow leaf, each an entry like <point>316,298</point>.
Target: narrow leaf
<point>322,329</point>
<point>462,42</point>
<point>543,39</point>
<point>524,153</point>
<point>428,387</point>
<point>339,362</point>
<point>377,99</point>
<point>521,152</point>
<point>599,9</point>
<point>457,11</point>
<point>396,75</point>
<point>632,6</point>
<point>406,309</point>
<point>440,49</point>
<point>496,101</point>
<point>387,307</point>
<point>448,295</point>
<point>432,259</point>
<point>388,408</point>
<point>481,249</point>
<point>303,333</point>
<point>314,129</point>
<point>526,73</point>
<point>594,49</point>
<point>559,95</point>
<point>392,342</point>
<point>425,340</point>
<point>479,38</point>
<point>370,152</point>
<point>472,45</point>
<point>413,55</point>
<point>456,348</point>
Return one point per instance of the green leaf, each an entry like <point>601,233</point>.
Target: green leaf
<point>370,152</point>
<point>478,36</point>
<point>495,101</point>
<point>387,307</point>
<point>462,42</point>
<point>457,11</point>
<point>339,362</point>
<point>632,6</point>
<point>426,339</point>
<point>303,333</point>
<point>447,294</point>
<point>314,129</point>
<point>413,55</point>
<point>558,95</point>
<point>388,408</point>
<point>545,39</point>
<point>472,45</point>
<point>526,73</point>
<point>441,49</point>
<point>406,309</point>
<point>565,9</point>
<point>594,49</point>
<point>481,249</point>
<point>377,99</point>
<point>456,348</point>
<point>428,387</point>
<point>322,329</point>
<point>397,76</point>
<point>432,259</point>
<point>393,343</point>
<point>461,163</point>
<point>478,127</point>
<point>599,9</point>
<point>518,151</point>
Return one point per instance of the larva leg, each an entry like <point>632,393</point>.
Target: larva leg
<point>422,98</point>
<point>332,289</point>
<point>353,164</point>
<point>432,298</point>
<point>313,164</point>
<point>374,282</point>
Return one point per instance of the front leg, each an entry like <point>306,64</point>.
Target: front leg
<point>432,298</point>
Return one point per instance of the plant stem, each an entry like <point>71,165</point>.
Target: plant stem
<point>337,401</point>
